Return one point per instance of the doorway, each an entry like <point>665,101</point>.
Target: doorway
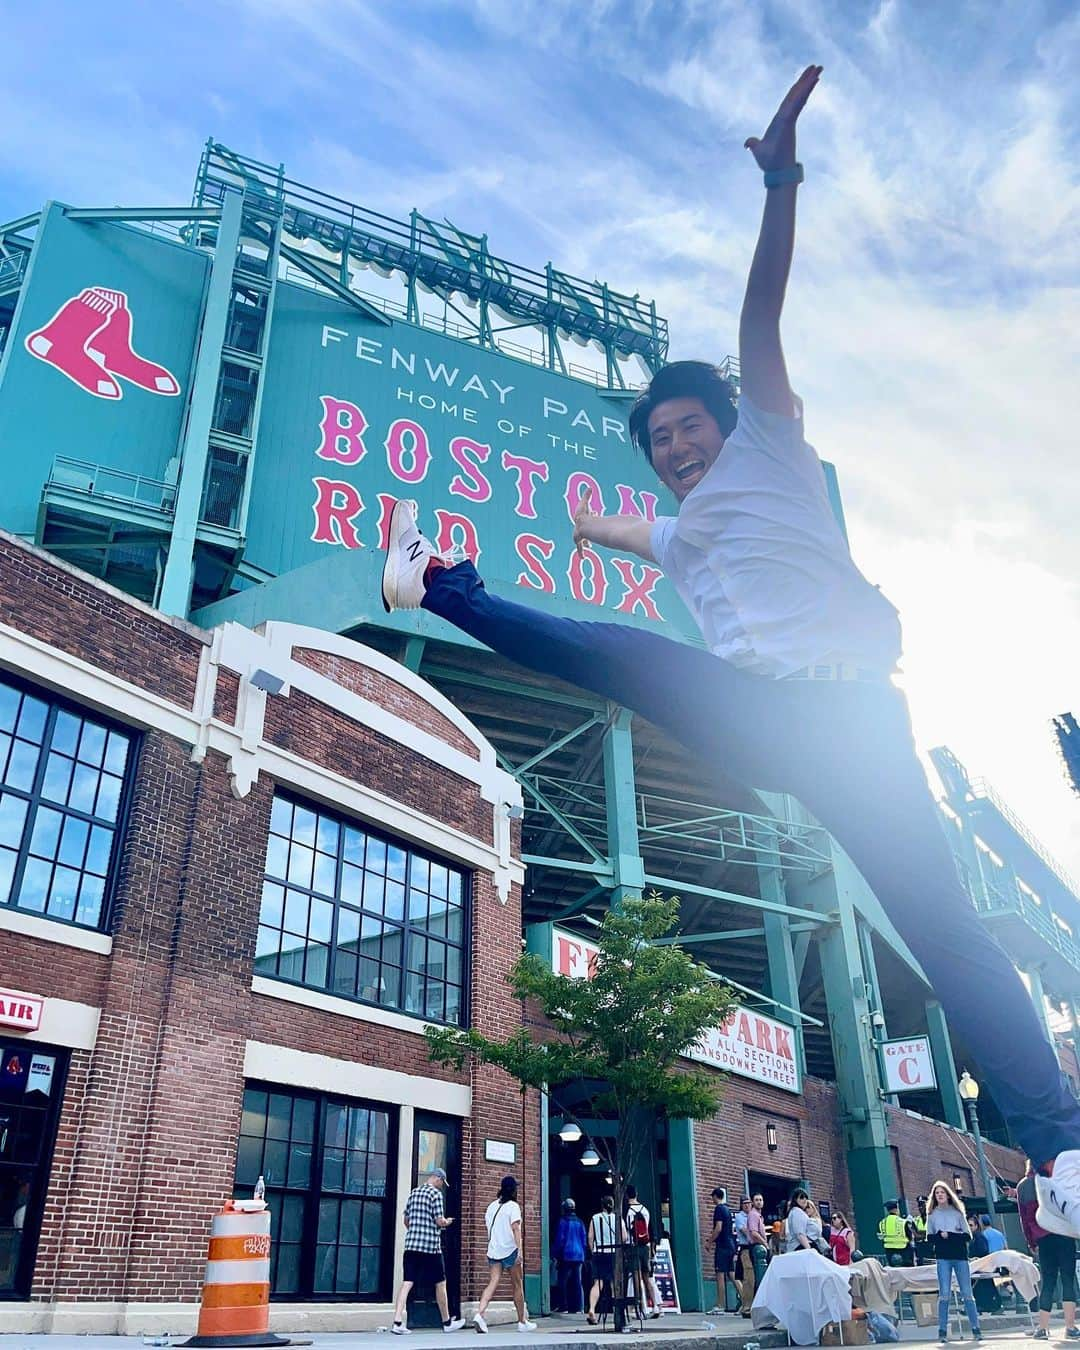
<point>437,1143</point>
<point>31,1091</point>
<point>775,1190</point>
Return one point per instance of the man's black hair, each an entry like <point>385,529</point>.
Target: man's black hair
<point>631,1192</point>
<point>683,379</point>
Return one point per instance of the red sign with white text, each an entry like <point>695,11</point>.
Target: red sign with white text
<point>748,1044</point>
<point>21,1011</point>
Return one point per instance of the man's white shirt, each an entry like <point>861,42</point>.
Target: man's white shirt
<point>761,563</point>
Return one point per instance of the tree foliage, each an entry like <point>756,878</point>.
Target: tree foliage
<point>623,1032</point>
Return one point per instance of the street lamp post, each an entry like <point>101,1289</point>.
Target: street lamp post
<point>969,1091</point>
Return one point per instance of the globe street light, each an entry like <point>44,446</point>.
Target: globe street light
<point>969,1091</point>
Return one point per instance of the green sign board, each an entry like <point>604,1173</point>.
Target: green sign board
<point>496,452</point>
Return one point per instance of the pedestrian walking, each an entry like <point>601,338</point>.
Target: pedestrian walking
<point>505,1254</point>
<point>1056,1256</point>
<point>639,1231</point>
<point>795,691</point>
<point>424,1221</point>
<point>606,1232</point>
<point>948,1233</point>
<point>744,1268</point>
<point>569,1253</point>
<point>723,1236</point>
<point>758,1233</point>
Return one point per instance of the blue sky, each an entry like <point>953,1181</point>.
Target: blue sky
<point>932,318</point>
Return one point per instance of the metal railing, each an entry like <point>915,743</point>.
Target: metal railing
<point>12,269</point>
<point>991,897</point>
<point>223,492</point>
<point>982,789</point>
<point>451,328</point>
<point>96,480</point>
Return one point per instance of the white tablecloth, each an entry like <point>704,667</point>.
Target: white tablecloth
<point>802,1291</point>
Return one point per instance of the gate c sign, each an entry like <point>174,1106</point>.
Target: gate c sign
<point>909,1065</point>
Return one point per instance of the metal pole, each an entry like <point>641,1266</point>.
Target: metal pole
<point>989,1189</point>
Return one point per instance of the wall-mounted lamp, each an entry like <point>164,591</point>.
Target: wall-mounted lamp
<point>770,1137</point>
<point>958,1183</point>
<point>570,1132</point>
<point>267,681</point>
<point>514,810</point>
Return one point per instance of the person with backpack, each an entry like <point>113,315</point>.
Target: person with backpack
<point>569,1252</point>
<point>1056,1255</point>
<point>639,1230</point>
<point>504,1254</point>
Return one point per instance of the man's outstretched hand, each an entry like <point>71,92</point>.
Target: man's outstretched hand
<point>776,149</point>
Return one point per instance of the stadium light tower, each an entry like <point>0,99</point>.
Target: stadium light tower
<point>1067,734</point>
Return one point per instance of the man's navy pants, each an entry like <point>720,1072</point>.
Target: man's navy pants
<point>844,749</point>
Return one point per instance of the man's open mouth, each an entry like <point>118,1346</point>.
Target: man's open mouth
<point>685,471</point>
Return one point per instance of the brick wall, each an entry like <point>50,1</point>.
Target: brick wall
<point>147,1135</point>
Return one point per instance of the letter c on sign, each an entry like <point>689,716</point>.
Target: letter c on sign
<point>908,1073</point>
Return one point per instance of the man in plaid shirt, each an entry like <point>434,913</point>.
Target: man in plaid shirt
<point>424,1221</point>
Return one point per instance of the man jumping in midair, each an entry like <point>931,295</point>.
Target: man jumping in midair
<point>794,694</point>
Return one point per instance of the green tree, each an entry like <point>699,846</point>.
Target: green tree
<point>626,1029</point>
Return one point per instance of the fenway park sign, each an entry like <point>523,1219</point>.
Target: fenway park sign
<point>747,1044</point>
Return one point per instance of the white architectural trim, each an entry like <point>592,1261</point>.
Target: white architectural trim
<point>341,1007</point>
<point>321,1073</point>
<point>66,1023</point>
<point>48,930</point>
<point>239,649</point>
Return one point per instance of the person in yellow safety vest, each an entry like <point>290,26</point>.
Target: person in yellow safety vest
<point>893,1235</point>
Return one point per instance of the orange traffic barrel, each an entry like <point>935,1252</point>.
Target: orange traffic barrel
<point>236,1288</point>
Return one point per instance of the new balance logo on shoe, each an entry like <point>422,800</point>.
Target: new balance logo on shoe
<point>415,549</point>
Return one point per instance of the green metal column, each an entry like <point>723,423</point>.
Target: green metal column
<point>685,1228</point>
<point>538,940</point>
<point>779,950</point>
<point>862,1112</point>
<point>944,1064</point>
<point>873,985</point>
<point>1038,997</point>
<point>621,800</point>
<point>175,597</point>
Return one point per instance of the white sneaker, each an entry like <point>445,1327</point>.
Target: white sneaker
<point>1059,1196</point>
<point>400,1329</point>
<point>479,1323</point>
<point>455,1324</point>
<point>526,1326</point>
<point>407,556</point>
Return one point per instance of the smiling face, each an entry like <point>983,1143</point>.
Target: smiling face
<point>684,442</point>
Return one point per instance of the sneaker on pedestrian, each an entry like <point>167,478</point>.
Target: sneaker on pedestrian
<point>715,1312</point>
<point>1072,1333</point>
<point>407,556</point>
<point>479,1323</point>
<point>526,1326</point>
<point>1041,1335</point>
<point>943,1339</point>
<point>455,1324</point>
<point>976,1335</point>
<point>400,1329</point>
<point>1059,1195</point>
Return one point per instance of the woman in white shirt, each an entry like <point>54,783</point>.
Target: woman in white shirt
<point>802,1228</point>
<point>605,1232</point>
<point>503,1223</point>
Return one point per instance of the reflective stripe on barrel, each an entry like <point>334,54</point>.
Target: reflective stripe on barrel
<point>236,1288</point>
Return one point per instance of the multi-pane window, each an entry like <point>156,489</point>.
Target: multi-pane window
<point>61,787</point>
<point>329,1184</point>
<point>352,913</point>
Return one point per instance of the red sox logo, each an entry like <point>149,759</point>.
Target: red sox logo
<point>88,339</point>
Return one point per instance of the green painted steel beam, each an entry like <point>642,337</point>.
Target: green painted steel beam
<point>944,1064</point>
<point>780,954</point>
<point>552,810</point>
<point>22,223</point>
<point>582,904</point>
<point>620,800</point>
<point>723,935</point>
<point>750,901</point>
<point>592,721</point>
<point>523,691</point>
<point>685,1220</point>
<point>179,573</point>
<point>121,213</point>
<point>312,268</point>
<point>413,655</point>
<point>601,868</point>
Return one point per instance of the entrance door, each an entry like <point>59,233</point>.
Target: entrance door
<point>31,1089</point>
<point>437,1143</point>
<point>775,1190</point>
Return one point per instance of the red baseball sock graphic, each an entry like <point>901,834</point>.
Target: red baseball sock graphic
<point>63,340</point>
<point>112,347</point>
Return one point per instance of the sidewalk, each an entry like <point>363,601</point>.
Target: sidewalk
<point>690,1331</point>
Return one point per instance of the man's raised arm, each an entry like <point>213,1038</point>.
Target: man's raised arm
<point>629,533</point>
<point>763,375</point>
